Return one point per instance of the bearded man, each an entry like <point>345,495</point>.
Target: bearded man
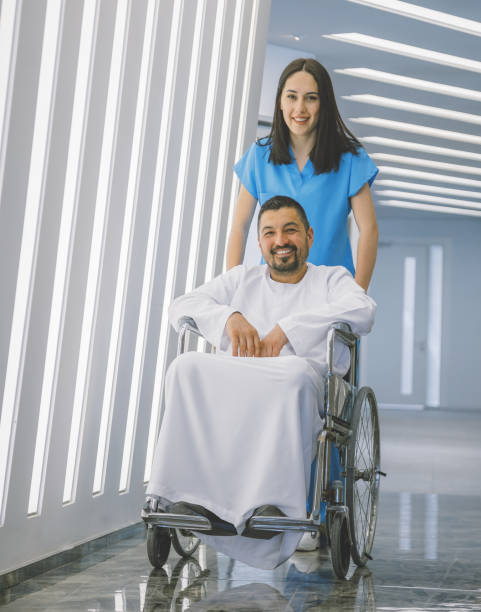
<point>239,429</point>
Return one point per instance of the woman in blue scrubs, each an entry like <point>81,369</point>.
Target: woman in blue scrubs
<point>311,156</point>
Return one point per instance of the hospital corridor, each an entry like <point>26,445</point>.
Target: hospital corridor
<point>239,302</point>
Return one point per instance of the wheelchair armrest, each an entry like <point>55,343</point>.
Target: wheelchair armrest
<point>342,332</point>
<point>189,325</point>
<point>186,324</point>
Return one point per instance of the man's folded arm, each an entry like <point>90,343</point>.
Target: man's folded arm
<point>209,305</point>
<point>347,302</point>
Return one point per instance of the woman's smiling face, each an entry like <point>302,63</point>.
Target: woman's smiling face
<point>300,103</point>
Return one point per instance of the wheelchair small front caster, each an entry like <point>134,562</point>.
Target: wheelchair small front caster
<point>158,545</point>
<point>340,546</point>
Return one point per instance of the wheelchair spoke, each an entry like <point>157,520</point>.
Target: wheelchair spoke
<point>363,507</point>
<point>364,439</point>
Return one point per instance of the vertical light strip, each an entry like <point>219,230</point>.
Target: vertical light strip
<point>433,378</point>
<point>205,147</point>
<point>172,262</point>
<point>126,241</point>
<point>222,156</point>
<point>9,24</point>
<point>242,118</point>
<point>120,601</point>
<point>405,519</point>
<point>29,246</point>
<point>431,526</point>
<point>156,209</point>
<point>188,128</point>
<point>97,245</point>
<point>184,579</point>
<point>202,557</point>
<point>64,253</point>
<point>142,594</point>
<point>407,342</point>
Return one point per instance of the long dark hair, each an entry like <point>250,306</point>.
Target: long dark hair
<point>333,138</point>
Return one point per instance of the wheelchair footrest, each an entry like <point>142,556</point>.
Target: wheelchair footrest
<point>177,521</point>
<point>282,523</point>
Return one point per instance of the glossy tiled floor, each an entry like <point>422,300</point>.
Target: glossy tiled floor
<point>427,547</point>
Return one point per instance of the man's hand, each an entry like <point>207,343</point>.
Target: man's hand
<point>243,336</point>
<point>272,344</point>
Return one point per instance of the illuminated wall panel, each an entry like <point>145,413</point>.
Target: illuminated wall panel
<point>113,199</point>
<point>34,200</point>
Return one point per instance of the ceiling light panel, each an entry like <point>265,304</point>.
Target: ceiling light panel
<point>389,46</point>
<point>414,128</point>
<point>430,208</point>
<point>428,163</point>
<point>405,195</point>
<point>412,107</point>
<point>412,83</point>
<point>429,176</point>
<point>461,193</point>
<point>406,9</point>
<point>417,146</point>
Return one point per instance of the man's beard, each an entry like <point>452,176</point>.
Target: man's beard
<point>282,264</point>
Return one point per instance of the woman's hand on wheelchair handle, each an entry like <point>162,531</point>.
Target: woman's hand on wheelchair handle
<point>243,336</point>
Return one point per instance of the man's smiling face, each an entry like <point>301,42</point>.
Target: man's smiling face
<point>284,242</point>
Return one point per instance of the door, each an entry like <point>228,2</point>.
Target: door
<point>393,356</point>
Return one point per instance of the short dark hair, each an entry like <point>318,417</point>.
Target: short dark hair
<point>280,201</point>
<point>333,137</point>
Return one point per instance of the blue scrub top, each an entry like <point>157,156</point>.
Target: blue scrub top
<point>324,197</point>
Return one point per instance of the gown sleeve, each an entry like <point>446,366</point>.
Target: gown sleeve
<point>363,170</point>
<point>346,301</point>
<point>209,306</point>
<point>245,169</point>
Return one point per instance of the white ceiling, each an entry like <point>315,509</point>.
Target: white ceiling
<point>312,19</point>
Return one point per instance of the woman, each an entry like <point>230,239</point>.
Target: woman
<point>311,156</point>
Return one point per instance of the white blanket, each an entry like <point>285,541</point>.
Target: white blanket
<point>238,434</point>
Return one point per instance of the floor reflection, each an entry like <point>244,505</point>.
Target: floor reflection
<point>405,509</point>
<point>305,587</point>
<point>431,527</point>
<point>426,549</point>
<point>426,557</point>
<point>184,586</point>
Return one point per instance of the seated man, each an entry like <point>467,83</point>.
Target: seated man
<point>240,426</point>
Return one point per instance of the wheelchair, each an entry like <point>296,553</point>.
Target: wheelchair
<point>344,491</point>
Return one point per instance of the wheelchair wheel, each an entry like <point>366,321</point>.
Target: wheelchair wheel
<point>185,543</point>
<point>340,547</point>
<point>158,545</point>
<point>362,475</point>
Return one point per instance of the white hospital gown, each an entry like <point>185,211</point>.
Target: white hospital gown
<point>239,433</point>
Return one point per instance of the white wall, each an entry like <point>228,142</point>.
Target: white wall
<point>119,124</point>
